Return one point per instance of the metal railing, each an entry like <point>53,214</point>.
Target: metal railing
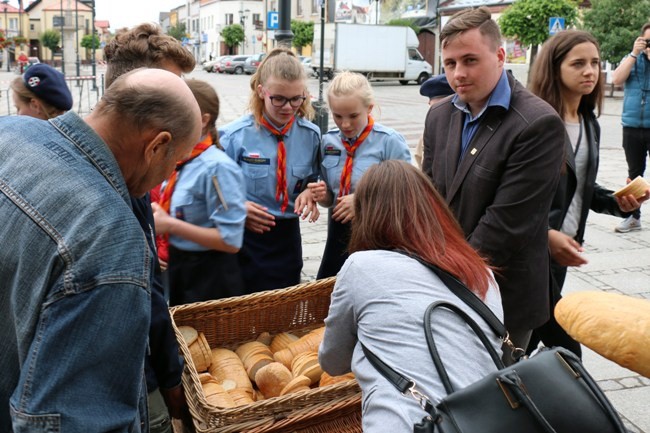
<point>85,94</point>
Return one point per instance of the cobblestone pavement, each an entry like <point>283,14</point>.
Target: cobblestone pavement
<point>618,263</point>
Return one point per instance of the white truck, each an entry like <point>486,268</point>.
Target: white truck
<point>378,52</point>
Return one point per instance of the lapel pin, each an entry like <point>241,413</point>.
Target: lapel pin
<point>473,151</point>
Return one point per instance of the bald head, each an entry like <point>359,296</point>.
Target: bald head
<point>159,122</point>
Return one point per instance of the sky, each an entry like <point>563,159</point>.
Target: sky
<point>126,13</point>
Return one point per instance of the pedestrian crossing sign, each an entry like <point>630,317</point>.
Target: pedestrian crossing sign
<point>555,25</point>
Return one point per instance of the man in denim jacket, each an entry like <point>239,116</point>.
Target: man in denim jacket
<point>75,265</point>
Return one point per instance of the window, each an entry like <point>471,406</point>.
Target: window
<point>315,9</point>
<point>299,7</point>
<point>257,22</point>
<point>58,21</point>
<point>229,19</point>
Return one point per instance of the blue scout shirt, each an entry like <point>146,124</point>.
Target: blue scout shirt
<point>382,143</point>
<point>255,150</point>
<point>197,201</point>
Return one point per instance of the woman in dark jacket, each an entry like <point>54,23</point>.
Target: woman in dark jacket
<point>567,75</point>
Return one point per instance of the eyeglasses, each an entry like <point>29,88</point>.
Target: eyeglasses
<point>281,101</point>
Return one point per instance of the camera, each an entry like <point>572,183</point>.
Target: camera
<point>647,43</point>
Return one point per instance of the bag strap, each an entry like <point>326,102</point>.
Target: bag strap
<point>465,295</point>
<point>403,384</point>
<point>435,356</point>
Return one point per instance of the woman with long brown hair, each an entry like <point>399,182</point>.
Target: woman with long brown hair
<point>567,75</point>
<point>381,295</point>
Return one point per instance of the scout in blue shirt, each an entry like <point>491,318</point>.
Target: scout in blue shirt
<point>346,153</point>
<point>206,202</point>
<point>277,149</point>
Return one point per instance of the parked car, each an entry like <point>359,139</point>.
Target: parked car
<point>251,64</point>
<point>234,65</point>
<point>306,64</point>
<point>209,65</point>
<point>218,67</point>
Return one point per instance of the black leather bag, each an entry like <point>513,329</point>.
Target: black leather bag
<point>550,392</point>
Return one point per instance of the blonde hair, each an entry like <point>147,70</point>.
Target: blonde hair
<point>26,96</point>
<point>348,83</point>
<point>281,63</point>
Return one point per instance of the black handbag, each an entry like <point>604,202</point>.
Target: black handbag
<point>550,392</point>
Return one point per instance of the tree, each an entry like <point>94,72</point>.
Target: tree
<point>90,42</point>
<point>404,22</point>
<point>50,39</point>
<point>527,20</point>
<point>616,24</point>
<point>233,35</point>
<point>178,31</point>
<point>303,34</point>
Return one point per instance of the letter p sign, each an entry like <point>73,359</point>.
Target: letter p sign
<point>273,20</point>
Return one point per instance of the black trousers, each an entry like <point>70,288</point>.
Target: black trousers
<point>551,333</point>
<point>336,248</point>
<point>202,276</point>
<point>636,143</point>
<point>272,260</point>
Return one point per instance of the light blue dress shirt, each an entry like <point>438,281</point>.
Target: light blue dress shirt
<point>255,150</point>
<point>197,201</point>
<point>382,143</point>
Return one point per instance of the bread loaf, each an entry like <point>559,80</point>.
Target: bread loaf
<point>226,365</point>
<point>272,378</point>
<point>307,343</point>
<point>254,355</point>
<point>615,326</point>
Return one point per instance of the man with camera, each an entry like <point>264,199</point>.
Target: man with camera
<point>634,72</point>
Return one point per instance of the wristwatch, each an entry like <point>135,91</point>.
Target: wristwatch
<point>633,55</point>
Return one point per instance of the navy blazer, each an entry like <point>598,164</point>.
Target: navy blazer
<point>501,191</point>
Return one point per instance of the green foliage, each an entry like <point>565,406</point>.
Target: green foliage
<point>89,40</point>
<point>50,39</point>
<point>233,35</point>
<point>404,22</point>
<point>527,20</point>
<point>303,33</point>
<point>616,24</point>
<point>178,31</point>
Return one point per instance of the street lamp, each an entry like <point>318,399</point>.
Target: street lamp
<point>6,5</point>
<point>243,15</point>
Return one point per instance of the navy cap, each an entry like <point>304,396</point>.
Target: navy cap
<point>436,87</point>
<point>48,84</point>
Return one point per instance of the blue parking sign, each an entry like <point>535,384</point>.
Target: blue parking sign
<point>555,25</point>
<point>273,20</point>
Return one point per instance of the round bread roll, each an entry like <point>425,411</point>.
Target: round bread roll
<point>272,378</point>
<point>615,326</point>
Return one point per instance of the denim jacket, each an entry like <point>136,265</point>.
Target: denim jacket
<point>74,278</point>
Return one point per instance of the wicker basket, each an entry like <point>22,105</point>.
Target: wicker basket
<point>232,321</point>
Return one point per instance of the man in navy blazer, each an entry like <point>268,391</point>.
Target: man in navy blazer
<point>494,151</point>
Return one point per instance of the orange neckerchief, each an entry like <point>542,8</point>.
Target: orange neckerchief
<point>281,172</point>
<point>166,196</point>
<point>346,174</point>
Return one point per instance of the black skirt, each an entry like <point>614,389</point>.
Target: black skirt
<point>196,276</point>
<point>272,260</point>
<point>336,248</point>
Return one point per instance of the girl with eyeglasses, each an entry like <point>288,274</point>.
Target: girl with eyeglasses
<point>346,153</point>
<point>277,148</point>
